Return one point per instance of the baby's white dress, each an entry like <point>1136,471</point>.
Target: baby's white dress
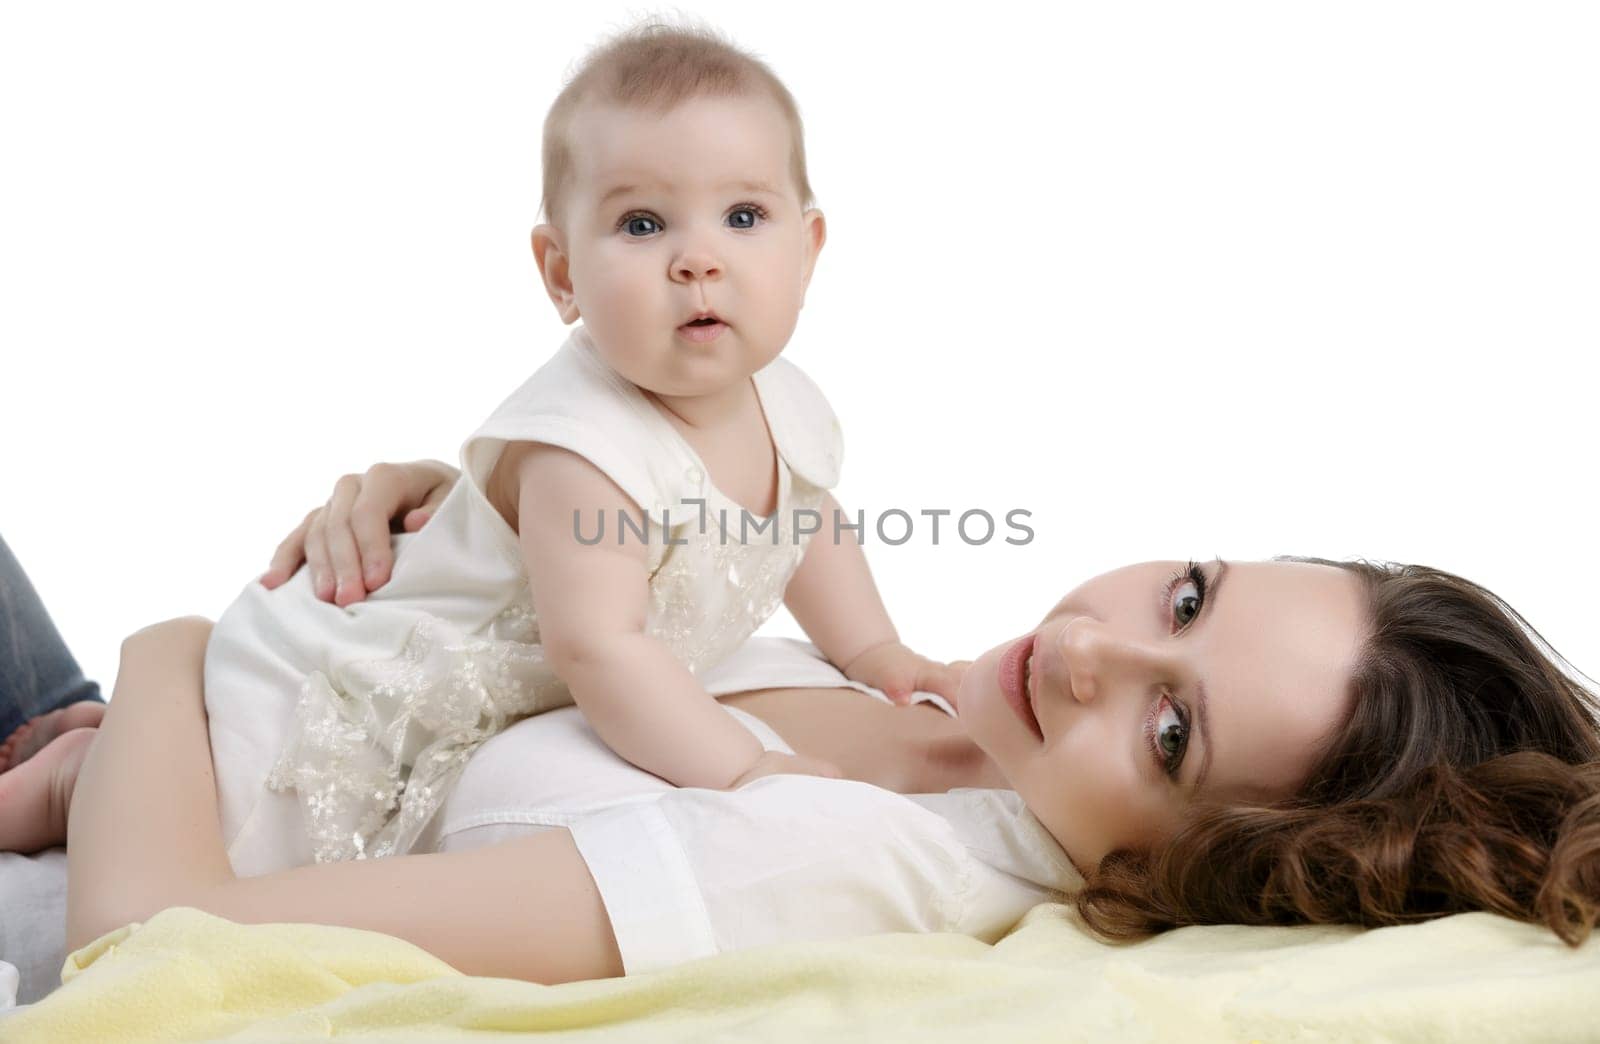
<point>337,733</point>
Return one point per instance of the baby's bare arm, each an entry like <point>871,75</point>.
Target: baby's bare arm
<point>591,601</point>
<point>832,595</point>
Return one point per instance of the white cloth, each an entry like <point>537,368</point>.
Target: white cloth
<point>691,872</point>
<point>337,732</point>
<point>33,919</point>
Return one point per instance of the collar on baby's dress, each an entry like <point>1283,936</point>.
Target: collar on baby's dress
<point>804,429</point>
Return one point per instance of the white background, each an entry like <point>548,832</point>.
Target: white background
<point>1181,279</point>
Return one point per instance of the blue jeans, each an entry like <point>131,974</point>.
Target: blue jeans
<point>37,673</point>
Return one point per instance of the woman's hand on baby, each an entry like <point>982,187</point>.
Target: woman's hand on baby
<point>897,672</point>
<point>777,763</point>
<point>346,541</point>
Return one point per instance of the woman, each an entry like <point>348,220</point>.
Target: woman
<point>1247,743</point>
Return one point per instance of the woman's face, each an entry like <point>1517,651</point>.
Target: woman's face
<point>1159,682</point>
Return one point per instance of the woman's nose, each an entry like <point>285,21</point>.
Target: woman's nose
<point>1094,655</point>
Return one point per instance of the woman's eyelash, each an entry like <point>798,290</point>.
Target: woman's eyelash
<point>1167,765</point>
<point>1195,575</point>
<point>622,222</point>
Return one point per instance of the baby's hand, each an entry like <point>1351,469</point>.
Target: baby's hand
<point>898,672</point>
<point>776,763</point>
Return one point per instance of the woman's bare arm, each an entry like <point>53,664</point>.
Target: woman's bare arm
<point>523,909</point>
<point>144,834</point>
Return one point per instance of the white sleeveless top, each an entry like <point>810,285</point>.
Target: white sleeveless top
<point>393,694</point>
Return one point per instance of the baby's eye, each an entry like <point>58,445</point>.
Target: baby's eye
<point>736,217</point>
<point>640,224</point>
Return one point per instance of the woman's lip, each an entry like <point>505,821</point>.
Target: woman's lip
<point>702,334</point>
<point>1010,678</point>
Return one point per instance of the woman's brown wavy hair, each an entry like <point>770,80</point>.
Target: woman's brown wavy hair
<point>1467,777</point>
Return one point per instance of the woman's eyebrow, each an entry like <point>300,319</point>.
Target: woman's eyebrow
<point>1202,717</point>
<point>1202,702</point>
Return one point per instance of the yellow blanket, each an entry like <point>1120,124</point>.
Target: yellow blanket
<point>187,975</point>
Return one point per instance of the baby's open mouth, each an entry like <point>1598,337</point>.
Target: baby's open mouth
<point>702,329</point>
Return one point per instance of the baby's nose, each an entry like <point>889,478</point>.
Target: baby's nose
<point>696,266</point>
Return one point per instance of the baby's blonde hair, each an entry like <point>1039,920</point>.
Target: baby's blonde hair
<point>655,66</point>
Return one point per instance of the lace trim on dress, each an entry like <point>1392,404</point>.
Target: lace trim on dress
<point>755,577</point>
<point>376,748</point>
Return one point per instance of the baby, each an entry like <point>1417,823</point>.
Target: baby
<point>626,519</point>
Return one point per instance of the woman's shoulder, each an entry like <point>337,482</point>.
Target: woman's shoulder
<point>999,829</point>
<point>781,859</point>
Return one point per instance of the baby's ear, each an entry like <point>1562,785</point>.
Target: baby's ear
<point>816,232</point>
<point>549,252</point>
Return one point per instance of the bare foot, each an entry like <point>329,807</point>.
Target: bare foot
<point>32,735</point>
<point>34,796</point>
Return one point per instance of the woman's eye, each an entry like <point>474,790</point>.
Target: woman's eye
<point>1186,600</point>
<point>1172,735</point>
<point>736,217</point>
<point>640,224</point>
